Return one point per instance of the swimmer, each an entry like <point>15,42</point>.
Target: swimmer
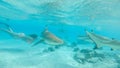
<point>27,38</point>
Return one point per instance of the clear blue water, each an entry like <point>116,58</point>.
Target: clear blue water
<point>67,19</point>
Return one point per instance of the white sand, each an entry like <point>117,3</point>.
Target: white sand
<point>17,54</point>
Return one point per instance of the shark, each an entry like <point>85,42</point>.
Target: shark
<point>49,38</point>
<point>101,41</point>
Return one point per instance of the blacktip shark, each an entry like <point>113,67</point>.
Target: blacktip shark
<point>103,41</point>
<point>50,38</point>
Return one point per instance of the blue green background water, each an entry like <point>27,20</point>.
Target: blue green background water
<point>65,18</point>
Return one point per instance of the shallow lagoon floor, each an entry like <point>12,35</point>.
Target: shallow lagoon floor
<point>22,55</point>
<point>66,19</point>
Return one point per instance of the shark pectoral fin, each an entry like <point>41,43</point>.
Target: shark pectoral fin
<point>97,45</point>
<point>42,40</point>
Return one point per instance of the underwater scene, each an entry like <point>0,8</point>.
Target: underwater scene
<point>59,33</point>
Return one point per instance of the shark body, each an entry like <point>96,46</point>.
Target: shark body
<point>101,41</point>
<point>50,38</point>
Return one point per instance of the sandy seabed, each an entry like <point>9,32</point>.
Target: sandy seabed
<point>17,54</point>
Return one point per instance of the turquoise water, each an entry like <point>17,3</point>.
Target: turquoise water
<point>67,19</point>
